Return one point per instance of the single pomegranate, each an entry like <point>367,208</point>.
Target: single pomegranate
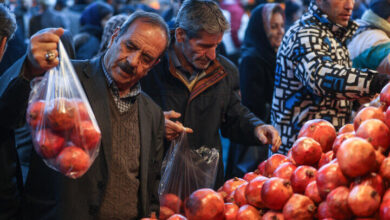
<point>311,191</point>
<point>86,135</point>
<point>366,113</point>
<point>261,167</point>
<point>379,157</point>
<point>47,143</point>
<point>247,212</point>
<point>34,114</point>
<point>356,157</point>
<point>384,95</point>
<point>253,192</point>
<point>363,200</point>
<point>177,217</point>
<point>323,211</point>
<point>340,139</point>
<point>302,176</point>
<point>325,158</point>
<point>60,113</point>
<point>329,177</point>
<point>372,179</point>
<point>273,162</point>
<point>306,151</point>
<point>239,195</point>
<point>152,217</point>
<point>347,128</point>
<point>337,201</point>
<point>386,196</point>
<point>82,111</point>
<point>290,157</point>
<point>272,215</point>
<point>285,170</point>
<point>171,201</point>
<point>251,175</point>
<point>376,132</point>
<point>384,169</point>
<point>384,210</point>
<point>299,207</point>
<point>387,116</point>
<point>275,193</point>
<point>73,161</point>
<point>204,204</point>
<point>165,213</point>
<point>320,130</point>
<point>230,185</point>
<point>231,211</point>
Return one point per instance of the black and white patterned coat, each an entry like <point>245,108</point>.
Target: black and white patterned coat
<point>314,77</point>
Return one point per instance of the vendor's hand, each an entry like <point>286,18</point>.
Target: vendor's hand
<point>174,129</point>
<point>267,134</point>
<point>41,45</point>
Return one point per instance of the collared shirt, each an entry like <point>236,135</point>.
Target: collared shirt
<point>123,103</point>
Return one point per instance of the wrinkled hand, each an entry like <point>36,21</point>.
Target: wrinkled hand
<point>40,44</point>
<point>174,129</point>
<point>267,134</point>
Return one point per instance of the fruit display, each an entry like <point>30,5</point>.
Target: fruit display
<point>64,134</point>
<point>327,174</point>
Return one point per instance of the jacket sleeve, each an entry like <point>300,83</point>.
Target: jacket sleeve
<point>315,66</point>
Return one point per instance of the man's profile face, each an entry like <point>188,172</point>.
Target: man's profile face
<point>338,11</point>
<point>130,56</point>
<point>200,50</point>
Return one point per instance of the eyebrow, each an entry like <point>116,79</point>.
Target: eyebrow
<point>144,53</point>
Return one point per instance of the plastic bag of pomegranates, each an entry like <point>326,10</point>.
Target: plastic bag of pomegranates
<point>185,170</point>
<point>64,129</point>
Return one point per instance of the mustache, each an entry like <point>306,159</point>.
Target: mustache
<point>126,67</point>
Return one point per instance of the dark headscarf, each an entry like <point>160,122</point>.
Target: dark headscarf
<point>256,33</point>
<point>94,13</point>
<point>381,8</point>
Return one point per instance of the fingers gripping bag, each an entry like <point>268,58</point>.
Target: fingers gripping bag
<point>185,170</point>
<point>64,129</point>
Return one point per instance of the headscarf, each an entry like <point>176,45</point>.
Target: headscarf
<point>111,25</point>
<point>381,8</point>
<point>94,13</point>
<point>256,34</point>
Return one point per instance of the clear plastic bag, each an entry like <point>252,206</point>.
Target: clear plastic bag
<point>184,171</point>
<point>64,129</point>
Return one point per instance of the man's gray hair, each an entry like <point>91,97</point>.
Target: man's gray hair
<point>147,17</point>
<point>201,15</point>
<point>7,23</point>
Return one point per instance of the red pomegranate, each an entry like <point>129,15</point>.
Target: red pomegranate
<point>231,211</point>
<point>290,157</point>
<point>356,157</point>
<point>204,204</point>
<point>386,196</point>
<point>73,161</point>
<point>323,211</point>
<point>311,191</point>
<point>177,217</point>
<point>248,212</point>
<point>275,193</point>
<point>363,200</point>
<point>379,157</point>
<point>261,167</point>
<point>230,185</point>
<point>82,112</point>
<point>152,217</point>
<point>320,130</point>
<point>86,135</point>
<point>251,175</point>
<point>376,132</point>
<point>372,179</point>
<point>384,169</point>
<point>253,192</point>
<point>60,113</point>
<point>34,114</point>
<point>329,177</point>
<point>347,128</point>
<point>387,116</point>
<point>384,210</point>
<point>239,195</point>
<point>165,213</point>
<point>340,139</point>
<point>273,162</point>
<point>325,158</point>
<point>272,215</point>
<point>306,151</point>
<point>366,113</point>
<point>171,201</point>
<point>337,201</point>
<point>384,95</point>
<point>285,170</point>
<point>299,207</point>
<point>48,144</point>
<point>302,176</point>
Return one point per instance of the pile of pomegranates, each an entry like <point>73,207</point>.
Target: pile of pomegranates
<point>64,134</point>
<point>327,174</point>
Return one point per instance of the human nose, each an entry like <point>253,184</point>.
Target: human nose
<point>134,58</point>
<point>210,53</point>
<point>349,4</point>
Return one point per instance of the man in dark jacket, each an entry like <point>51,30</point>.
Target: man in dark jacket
<point>200,87</point>
<point>123,180</point>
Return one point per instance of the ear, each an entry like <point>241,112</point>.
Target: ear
<point>113,36</point>
<point>180,35</point>
<point>3,46</point>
